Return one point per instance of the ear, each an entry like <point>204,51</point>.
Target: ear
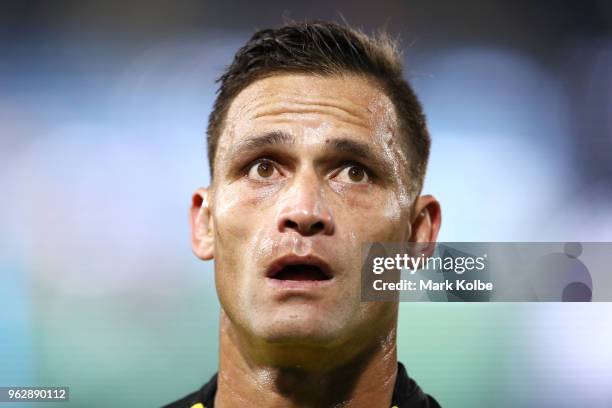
<point>426,220</point>
<point>200,217</point>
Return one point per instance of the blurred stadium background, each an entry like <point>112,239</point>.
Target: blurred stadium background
<point>103,108</point>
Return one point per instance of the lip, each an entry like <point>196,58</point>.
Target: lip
<point>293,259</point>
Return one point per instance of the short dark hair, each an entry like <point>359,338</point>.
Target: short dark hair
<point>324,48</point>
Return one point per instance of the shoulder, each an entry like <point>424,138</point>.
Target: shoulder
<point>408,394</point>
<point>186,402</point>
<point>205,397</point>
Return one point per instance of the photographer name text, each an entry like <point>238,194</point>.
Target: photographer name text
<point>431,285</point>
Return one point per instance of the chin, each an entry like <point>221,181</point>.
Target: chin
<point>299,330</point>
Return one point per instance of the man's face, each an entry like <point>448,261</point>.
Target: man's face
<point>307,169</point>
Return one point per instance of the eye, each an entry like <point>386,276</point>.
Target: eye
<point>354,174</point>
<point>263,170</point>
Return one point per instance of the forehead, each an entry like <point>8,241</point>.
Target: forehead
<point>349,104</point>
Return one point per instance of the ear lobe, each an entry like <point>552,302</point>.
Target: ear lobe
<point>427,219</point>
<point>202,232</point>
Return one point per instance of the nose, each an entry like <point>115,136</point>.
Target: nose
<point>304,210</point>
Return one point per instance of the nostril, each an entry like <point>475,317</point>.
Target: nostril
<point>291,224</point>
<point>305,228</point>
<point>317,226</point>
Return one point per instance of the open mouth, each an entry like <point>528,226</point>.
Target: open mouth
<point>301,272</point>
<point>297,268</point>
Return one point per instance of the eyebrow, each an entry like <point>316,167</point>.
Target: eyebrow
<point>353,147</point>
<point>267,139</point>
<point>344,145</point>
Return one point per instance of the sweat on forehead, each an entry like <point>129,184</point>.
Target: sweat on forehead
<point>310,107</point>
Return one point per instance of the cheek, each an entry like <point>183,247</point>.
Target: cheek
<point>226,224</point>
<point>372,217</point>
<point>230,211</point>
<point>238,211</point>
<point>242,220</point>
<point>236,218</point>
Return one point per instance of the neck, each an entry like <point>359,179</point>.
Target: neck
<point>353,373</point>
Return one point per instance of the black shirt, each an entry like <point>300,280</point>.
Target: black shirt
<point>406,394</point>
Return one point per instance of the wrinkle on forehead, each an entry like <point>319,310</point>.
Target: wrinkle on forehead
<point>290,106</point>
<point>346,98</point>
